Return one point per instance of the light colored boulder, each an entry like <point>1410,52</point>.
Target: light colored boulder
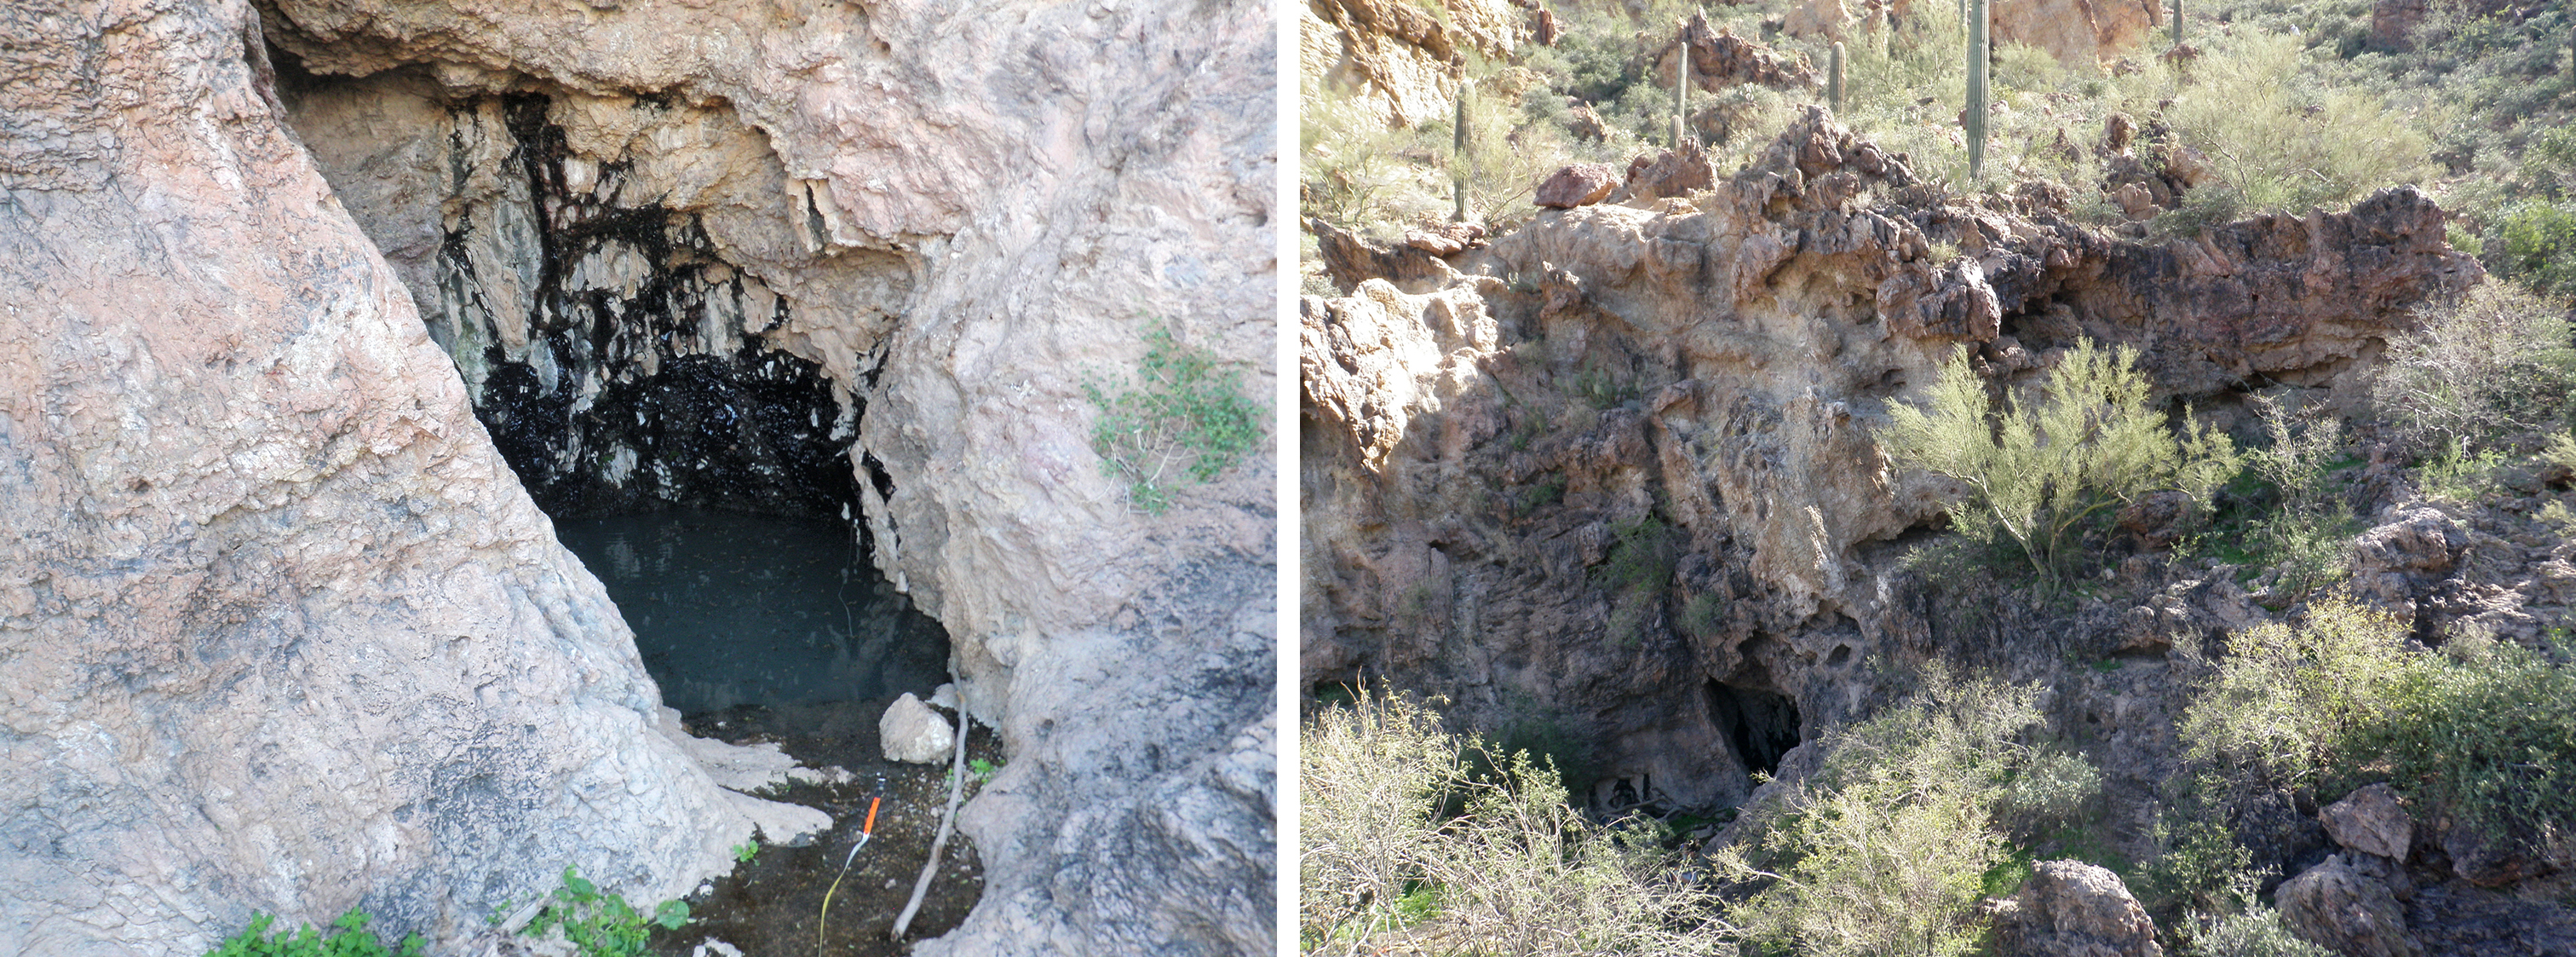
<point>2370,820</point>
<point>910,731</point>
<point>2346,909</point>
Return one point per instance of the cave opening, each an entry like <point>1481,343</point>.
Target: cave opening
<point>1761,725</point>
<point>640,373</point>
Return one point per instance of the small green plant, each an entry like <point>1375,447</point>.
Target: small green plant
<point>983,770</point>
<point>745,851</point>
<point>1183,418</point>
<point>352,940</point>
<point>2256,931</point>
<point>601,923</point>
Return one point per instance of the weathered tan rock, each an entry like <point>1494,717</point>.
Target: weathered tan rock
<point>911,732</point>
<point>1394,57</point>
<point>1581,184</point>
<point>2335,906</point>
<point>2079,31</point>
<point>2079,910</point>
<point>2371,821</point>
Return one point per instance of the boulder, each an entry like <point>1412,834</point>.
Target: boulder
<point>2346,909</point>
<point>1673,172</point>
<point>2075,908</point>
<point>2370,820</point>
<point>911,732</point>
<point>1581,184</point>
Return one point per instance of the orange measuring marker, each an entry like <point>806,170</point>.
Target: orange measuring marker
<point>867,830</point>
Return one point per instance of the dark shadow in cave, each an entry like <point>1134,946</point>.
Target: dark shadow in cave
<point>1760,725</point>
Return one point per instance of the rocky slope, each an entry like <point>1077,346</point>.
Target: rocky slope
<point>855,254</point>
<point>1609,479</point>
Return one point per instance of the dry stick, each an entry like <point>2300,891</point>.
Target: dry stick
<point>947,819</point>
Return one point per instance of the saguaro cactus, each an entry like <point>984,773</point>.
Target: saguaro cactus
<point>1834,79</point>
<point>1975,120</point>
<point>1681,88</point>
<point>1458,144</point>
<point>2177,24</point>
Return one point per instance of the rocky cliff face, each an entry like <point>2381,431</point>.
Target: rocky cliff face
<point>865,255</point>
<point>282,632</point>
<point>1609,481</point>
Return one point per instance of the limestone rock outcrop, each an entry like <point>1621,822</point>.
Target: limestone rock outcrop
<point>1615,479</point>
<point>923,224</point>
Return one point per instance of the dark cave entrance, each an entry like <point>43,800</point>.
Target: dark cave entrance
<point>1760,725</point>
<point>625,370</point>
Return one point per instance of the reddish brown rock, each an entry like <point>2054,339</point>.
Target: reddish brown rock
<point>1581,184</point>
<point>1669,173</point>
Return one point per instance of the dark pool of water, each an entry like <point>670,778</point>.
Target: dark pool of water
<point>733,609</point>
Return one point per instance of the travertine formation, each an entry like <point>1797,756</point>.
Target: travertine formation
<point>299,640</point>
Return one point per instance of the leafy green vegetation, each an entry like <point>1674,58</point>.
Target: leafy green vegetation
<point>745,851</point>
<point>352,939</point>
<point>2480,370</point>
<point>1888,846</point>
<point>1412,833</point>
<point>2050,464</point>
<point>601,923</point>
<point>2480,727</point>
<point>1182,418</point>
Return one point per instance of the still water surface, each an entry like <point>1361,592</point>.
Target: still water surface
<point>732,609</point>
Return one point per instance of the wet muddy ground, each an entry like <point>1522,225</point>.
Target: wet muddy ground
<point>772,905</point>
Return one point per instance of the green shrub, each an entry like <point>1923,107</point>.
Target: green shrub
<point>601,923</point>
<point>2481,728</point>
<point>1885,848</point>
<point>2052,462</point>
<point>2253,932</point>
<point>1183,418</point>
<point>1410,834</point>
<point>2308,535</point>
<point>352,940</point>
<point>2537,243</point>
<point>2480,369</point>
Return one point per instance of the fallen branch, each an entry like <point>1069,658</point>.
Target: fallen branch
<point>947,821</point>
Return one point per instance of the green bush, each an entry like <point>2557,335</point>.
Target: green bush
<point>352,940</point>
<point>1410,834</point>
<point>2537,243</point>
<point>1884,849</point>
<point>2050,463</point>
<point>2480,369</point>
<point>2253,932</point>
<point>1183,417</point>
<point>2308,535</point>
<point>2481,728</point>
